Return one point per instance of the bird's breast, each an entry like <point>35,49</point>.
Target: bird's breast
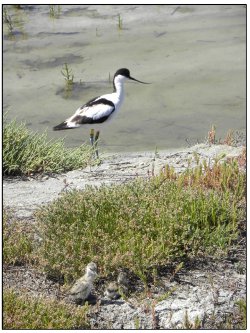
<point>116,99</point>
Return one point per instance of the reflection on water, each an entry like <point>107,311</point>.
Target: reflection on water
<point>194,55</point>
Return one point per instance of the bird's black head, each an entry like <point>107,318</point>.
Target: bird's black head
<point>125,72</point>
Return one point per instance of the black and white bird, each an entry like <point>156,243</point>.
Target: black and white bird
<point>99,109</point>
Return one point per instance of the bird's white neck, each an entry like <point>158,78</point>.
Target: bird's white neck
<point>118,84</point>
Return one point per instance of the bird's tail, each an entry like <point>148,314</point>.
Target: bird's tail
<point>62,126</point>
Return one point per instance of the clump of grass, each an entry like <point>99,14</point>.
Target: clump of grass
<point>18,241</point>
<point>14,22</point>
<point>236,320</point>
<point>26,152</point>
<point>17,6</point>
<point>68,75</point>
<point>211,135</point>
<point>119,24</point>
<point>242,309</point>
<point>140,224</point>
<point>229,138</point>
<point>8,20</point>
<point>232,138</point>
<point>188,324</point>
<point>25,312</point>
<point>222,176</point>
<point>54,11</point>
<point>242,158</point>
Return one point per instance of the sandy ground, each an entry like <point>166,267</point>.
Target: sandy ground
<point>204,288</point>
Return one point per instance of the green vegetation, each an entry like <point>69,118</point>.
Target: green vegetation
<point>26,152</point>
<point>143,224</point>
<point>17,6</point>
<point>242,309</point>
<point>14,22</point>
<point>236,320</point>
<point>24,312</point>
<point>119,24</point>
<point>232,138</point>
<point>187,324</point>
<point>67,75</point>
<point>54,11</point>
<point>17,241</point>
<point>138,226</point>
<point>8,20</point>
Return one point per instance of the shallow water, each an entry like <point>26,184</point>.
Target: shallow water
<point>194,56</point>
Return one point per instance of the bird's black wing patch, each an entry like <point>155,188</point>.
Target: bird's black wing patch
<point>80,119</point>
<point>89,103</point>
<point>95,101</point>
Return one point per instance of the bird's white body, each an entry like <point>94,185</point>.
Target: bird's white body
<point>101,108</point>
<point>81,289</point>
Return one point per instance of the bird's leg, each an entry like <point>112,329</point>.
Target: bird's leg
<point>91,136</point>
<point>96,141</point>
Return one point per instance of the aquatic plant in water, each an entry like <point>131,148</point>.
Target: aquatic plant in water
<point>8,20</point>
<point>68,76</point>
<point>54,11</point>
<point>119,22</point>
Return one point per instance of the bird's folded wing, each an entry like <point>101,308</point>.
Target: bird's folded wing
<point>79,287</point>
<point>96,111</point>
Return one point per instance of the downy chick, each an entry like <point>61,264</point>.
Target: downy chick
<point>112,291</point>
<point>123,282</point>
<point>80,291</point>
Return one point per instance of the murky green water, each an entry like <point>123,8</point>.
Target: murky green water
<point>193,55</point>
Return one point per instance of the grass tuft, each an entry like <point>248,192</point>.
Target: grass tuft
<point>26,152</point>
<point>236,320</point>
<point>211,135</point>
<point>54,11</point>
<point>143,223</point>
<point>67,75</point>
<point>25,312</point>
<point>7,19</point>
<point>222,176</point>
<point>119,24</point>
<point>18,241</point>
